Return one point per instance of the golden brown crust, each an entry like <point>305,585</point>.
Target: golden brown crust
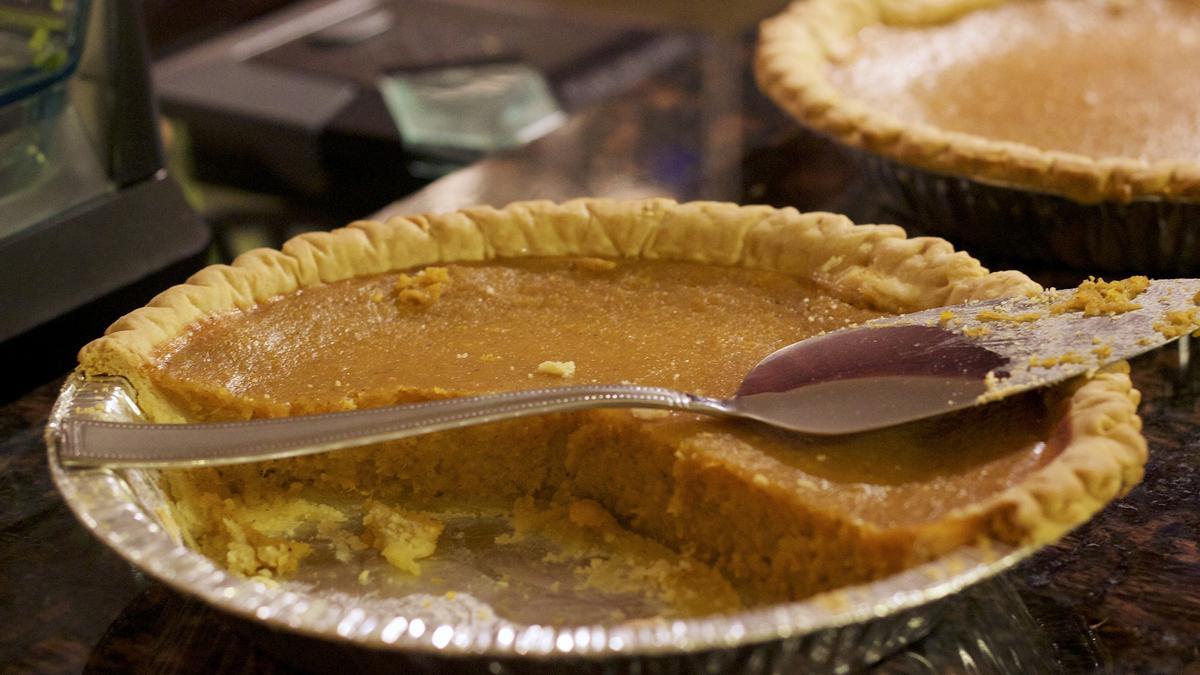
<point>796,46</point>
<point>874,264</point>
<point>1103,458</point>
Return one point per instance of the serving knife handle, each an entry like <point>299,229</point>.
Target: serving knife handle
<point>101,444</point>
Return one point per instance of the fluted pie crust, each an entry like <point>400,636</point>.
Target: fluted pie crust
<point>712,499</point>
<point>798,47</point>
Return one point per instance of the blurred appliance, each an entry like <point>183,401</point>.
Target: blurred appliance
<point>90,225</point>
<point>292,100</point>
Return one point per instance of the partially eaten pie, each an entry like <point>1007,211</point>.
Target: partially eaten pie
<point>688,296</point>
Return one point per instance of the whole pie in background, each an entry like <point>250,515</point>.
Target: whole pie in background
<point>1093,100</point>
<point>712,513</point>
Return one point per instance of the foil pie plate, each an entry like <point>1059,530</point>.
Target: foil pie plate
<point>1145,236</point>
<point>376,627</point>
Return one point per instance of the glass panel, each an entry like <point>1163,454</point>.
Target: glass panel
<point>481,107</point>
<point>40,42</point>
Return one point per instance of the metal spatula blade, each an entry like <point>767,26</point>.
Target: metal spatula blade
<point>882,373</point>
<point>900,369</point>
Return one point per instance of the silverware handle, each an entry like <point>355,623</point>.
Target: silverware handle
<point>94,443</point>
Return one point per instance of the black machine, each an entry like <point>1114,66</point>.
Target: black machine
<point>294,101</point>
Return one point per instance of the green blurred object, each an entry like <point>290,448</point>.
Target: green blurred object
<point>40,45</point>
<point>479,107</point>
<point>90,224</point>
<point>47,54</point>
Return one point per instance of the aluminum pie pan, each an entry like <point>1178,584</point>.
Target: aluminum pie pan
<point>837,631</point>
<point>1146,235</point>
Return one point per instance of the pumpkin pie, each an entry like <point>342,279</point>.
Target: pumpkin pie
<point>1094,100</point>
<point>653,292</point>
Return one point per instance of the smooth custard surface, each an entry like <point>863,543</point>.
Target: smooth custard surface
<point>692,327</point>
<point>1101,78</point>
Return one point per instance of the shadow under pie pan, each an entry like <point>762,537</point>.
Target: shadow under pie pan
<point>334,622</point>
<point>1147,236</point>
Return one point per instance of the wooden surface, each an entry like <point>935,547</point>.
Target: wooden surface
<point>1120,594</point>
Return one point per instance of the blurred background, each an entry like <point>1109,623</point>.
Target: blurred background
<point>139,141</point>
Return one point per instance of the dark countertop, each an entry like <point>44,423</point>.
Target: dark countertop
<point>1120,594</point>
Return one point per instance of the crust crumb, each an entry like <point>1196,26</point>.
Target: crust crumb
<point>255,555</point>
<point>423,288</point>
<point>1061,359</point>
<point>1178,323</point>
<point>403,537</point>
<point>993,315</point>
<point>562,369</point>
<point>1097,297</point>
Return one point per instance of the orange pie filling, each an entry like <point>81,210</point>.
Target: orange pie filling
<point>762,515</point>
<point>1101,78</point>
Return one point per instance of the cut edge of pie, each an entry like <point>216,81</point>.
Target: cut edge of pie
<point>872,264</point>
<point>795,47</point>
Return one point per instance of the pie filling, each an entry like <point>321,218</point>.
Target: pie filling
<point>1094,77</point>
<point>748,513</point>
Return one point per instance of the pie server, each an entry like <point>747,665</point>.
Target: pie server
<point>881,373</point>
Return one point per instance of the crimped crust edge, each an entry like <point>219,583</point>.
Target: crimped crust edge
<point>875,264</point>
<point>795,45</point>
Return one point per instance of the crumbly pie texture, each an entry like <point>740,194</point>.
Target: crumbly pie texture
<point>796,47</point>
<point>875,265</point>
